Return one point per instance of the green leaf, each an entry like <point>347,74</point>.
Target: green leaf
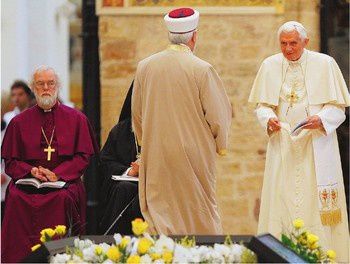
<point>47,238</point>
<point>228,240</point>
<point>286,240</point>
<point>248,256</point>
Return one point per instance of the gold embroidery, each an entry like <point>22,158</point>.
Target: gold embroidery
<point>330,212</point>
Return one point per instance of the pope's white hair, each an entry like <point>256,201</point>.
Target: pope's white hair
<point>43,68</point>
<point>180,38</point>
<point>293,26</point>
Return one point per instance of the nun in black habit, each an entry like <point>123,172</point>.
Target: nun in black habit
<point>117,155</point>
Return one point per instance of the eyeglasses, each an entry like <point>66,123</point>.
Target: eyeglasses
<point>49,84</point>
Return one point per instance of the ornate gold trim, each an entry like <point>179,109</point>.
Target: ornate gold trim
<point>276,8</point>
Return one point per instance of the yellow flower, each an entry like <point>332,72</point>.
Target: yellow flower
<point>188,242</point>
<point>155,256</point>
<point>298,223</point>
<point>139,226</point>
<point>113,253</point>
<point>167,256</point>
<point>48,231</point>
<point>144,245</point>
<point>331,254</point>
<point>98,250</point>
<point>133,259</point>
<point>60,230</point>
<point>36,247</point>
<point>313,246</point>
<point>125,241</point>
<point>312,241</point>
<point>43,239</point>
<point>302,238</point>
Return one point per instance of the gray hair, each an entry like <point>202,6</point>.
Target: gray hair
<point>291,26</point>
<point>183,38</point>
<point>43,68</point>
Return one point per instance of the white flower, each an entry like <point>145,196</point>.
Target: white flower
<point>89,254</point>
<point>181,254</point>
<point>155,250</point>
<point>60,258</point>
<point>76,242</point>
<point>236,252</point>
<point>81,244</point>
<point>133,246</point>
<point>202,251</point>
<point>222,249</point>
<point>104,247</point>
<point>195,254</point>
<point>164,242</point>
<point>117,238</point>
<point>76,259</point>
<point>214,257</point>
<point>217,254</point>
<point>146,259</point>
<point>130,248</point>
<point>108,261</point>
<point>149,237</point>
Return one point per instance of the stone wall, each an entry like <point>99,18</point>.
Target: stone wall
<point>235,45</point>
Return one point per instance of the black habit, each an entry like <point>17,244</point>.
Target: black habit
<point>117,154</point>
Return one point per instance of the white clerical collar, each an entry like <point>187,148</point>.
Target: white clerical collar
<point>49,110</point>
<point>16,111</point>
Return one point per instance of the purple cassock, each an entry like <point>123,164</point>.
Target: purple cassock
<point>28,210</point>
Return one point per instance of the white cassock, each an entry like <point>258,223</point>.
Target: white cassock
<point>303,175</point>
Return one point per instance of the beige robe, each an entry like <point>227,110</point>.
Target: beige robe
<point>181,116</point>
<point>292,163</point>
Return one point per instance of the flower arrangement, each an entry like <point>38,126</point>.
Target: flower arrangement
<point>49,234</point>
<point>305,244</point>
<point>143,248</point>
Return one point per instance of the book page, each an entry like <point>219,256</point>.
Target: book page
<point>29,181</point>
<point>56,184</point>
<point>36,183</point>
<point>124,178</point>
<point>298,128</point>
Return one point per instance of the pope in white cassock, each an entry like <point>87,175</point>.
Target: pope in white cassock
<point>181,116</point>
<point>303,176</point>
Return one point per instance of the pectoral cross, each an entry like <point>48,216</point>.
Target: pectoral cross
<point>49,150</point>
<point>292,97</point>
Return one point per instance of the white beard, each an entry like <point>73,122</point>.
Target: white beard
<point>46,101</point>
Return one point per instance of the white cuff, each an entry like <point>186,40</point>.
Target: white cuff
<point>264,113</point>
<point>331,117</point>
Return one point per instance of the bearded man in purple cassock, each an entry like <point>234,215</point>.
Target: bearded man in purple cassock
<point>49,142</point>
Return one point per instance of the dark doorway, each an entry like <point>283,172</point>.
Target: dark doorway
<point>91,105</point>
<point>335,42</point>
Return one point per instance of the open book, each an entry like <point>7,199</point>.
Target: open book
<point>124,178</point>
<point>38,184</point>
<point>298,128</point>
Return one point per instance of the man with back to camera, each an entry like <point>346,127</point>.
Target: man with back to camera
<point>181,117</point>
